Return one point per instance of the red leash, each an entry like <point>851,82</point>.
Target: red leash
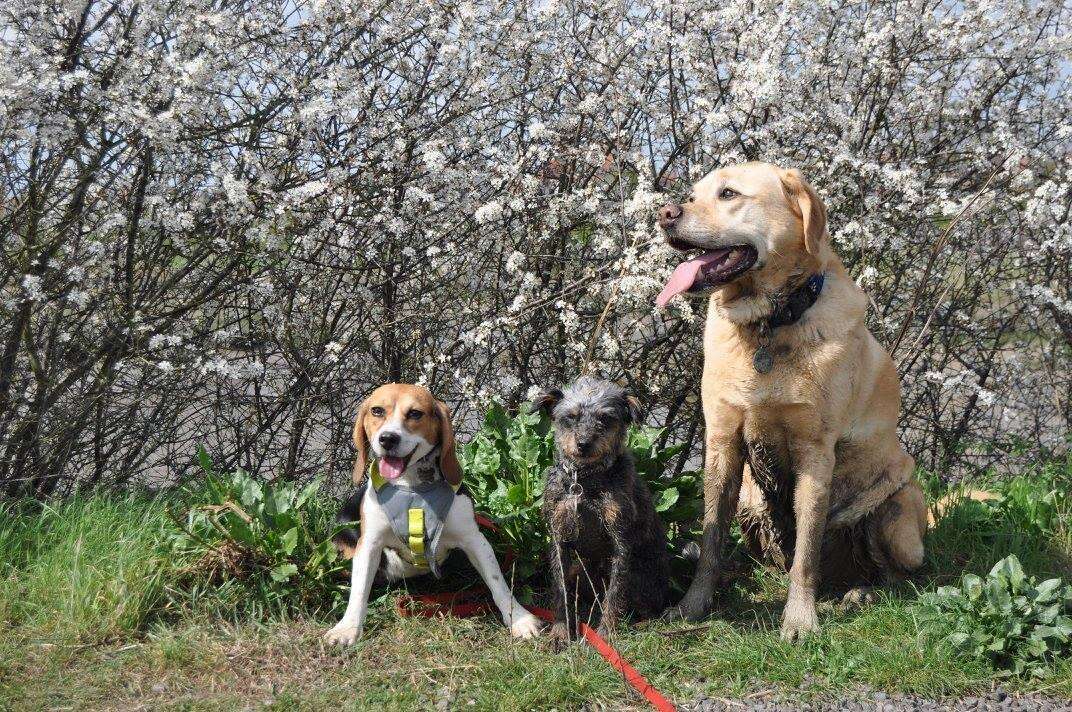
<point>472,602</point>
<point>634,678</point>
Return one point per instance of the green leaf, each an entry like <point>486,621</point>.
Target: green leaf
<point>289,541</point>
<point>1010,569</point>
<point>1048,589</point>
<point>283,572</point>
<point>516,494</point>
<point>666,499</point>
<point>958,639</point>
<point>203,459</point>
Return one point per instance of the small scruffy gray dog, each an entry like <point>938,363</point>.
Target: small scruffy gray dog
<point>608,549</point>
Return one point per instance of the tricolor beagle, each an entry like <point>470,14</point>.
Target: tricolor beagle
<point>415,510</point>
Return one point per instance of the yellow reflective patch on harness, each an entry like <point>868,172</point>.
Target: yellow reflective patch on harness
<point>416,535</point>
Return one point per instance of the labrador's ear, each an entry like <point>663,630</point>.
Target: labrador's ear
<point>805,202</point>
<point>634,409</point>
<point>448,454</point>
<point>361,444</point>
<point>546,401</point>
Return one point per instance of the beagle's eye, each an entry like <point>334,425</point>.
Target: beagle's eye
<point>377,411</point>
<point>415,414</point>
<point>728,194</point>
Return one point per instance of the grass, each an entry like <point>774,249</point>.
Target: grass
<point>88,619</point>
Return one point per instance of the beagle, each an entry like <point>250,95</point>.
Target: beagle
<point>413,509</point>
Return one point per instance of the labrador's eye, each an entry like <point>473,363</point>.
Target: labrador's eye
<point>728,194</point>
<point>377,411</point>
<point>415,414</point>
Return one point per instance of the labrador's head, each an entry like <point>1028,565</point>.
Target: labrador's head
<point>749,229</point>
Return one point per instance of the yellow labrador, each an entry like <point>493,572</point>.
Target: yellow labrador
<point>800,400</point>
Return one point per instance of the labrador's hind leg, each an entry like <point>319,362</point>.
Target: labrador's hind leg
<point>902,522</point>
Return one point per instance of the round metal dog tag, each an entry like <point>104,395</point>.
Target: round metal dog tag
<point>762,361</point>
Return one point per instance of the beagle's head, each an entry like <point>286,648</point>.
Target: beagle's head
<point>400,424</point>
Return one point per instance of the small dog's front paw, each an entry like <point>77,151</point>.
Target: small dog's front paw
<point>342,635</point>
<point>560,637</point>
<point>695,606</point>
<point>858,597</point>
<point>608,626</point>
<point>798,621</point>
<point>527,626</point>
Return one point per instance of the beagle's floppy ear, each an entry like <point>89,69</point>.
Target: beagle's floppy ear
<point>805,202</point>
<point>546,401</point>
<point>448,454</point>
<point>360,444</point>
<point>634,409</point>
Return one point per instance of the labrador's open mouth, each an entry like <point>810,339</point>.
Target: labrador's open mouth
<point>709,269</point>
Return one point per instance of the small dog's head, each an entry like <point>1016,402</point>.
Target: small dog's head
<point>752,226</point>
<point>401,423</point>
<point>590,418</point>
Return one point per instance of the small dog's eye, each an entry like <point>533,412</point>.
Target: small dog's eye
<point>414,414</point>
<point>728,194</point>
<point>377,411</point>
<point>692,198</point>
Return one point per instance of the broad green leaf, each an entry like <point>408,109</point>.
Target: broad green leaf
<point>289,541</point>
<point>666,499</point>
<point>283,572</point>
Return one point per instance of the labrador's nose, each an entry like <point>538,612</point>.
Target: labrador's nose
<point>389,440</point>
<point>668,215</point>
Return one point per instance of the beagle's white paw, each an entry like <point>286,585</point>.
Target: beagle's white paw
<point>342,635</point>
<point>527,626</point>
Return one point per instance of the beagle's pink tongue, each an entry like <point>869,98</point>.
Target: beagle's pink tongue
<point>685,276</point>
<point>391,467</point>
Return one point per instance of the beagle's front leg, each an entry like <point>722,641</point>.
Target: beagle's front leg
<point>521,623</point>
<point>811,501</point>
<point>365,562</point>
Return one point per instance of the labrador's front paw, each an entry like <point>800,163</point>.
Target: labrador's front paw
<point>527,626</point>
<point>342,635</point>
<point>799,620</point>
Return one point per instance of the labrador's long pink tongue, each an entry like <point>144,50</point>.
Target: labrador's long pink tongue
<point>391,467</point>
<point>684,277</point>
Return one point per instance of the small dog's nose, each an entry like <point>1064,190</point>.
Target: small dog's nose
<point>584,446</point>
<point>389,440</point>
<point>668,215</point>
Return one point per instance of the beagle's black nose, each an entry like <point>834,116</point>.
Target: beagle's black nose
<point>389,440</point>
<point>668,215</point>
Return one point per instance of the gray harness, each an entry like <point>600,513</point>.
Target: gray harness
<point>417,515</point>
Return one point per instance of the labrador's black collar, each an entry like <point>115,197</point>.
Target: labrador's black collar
<point>788,311</point>
<point>797,302</point>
